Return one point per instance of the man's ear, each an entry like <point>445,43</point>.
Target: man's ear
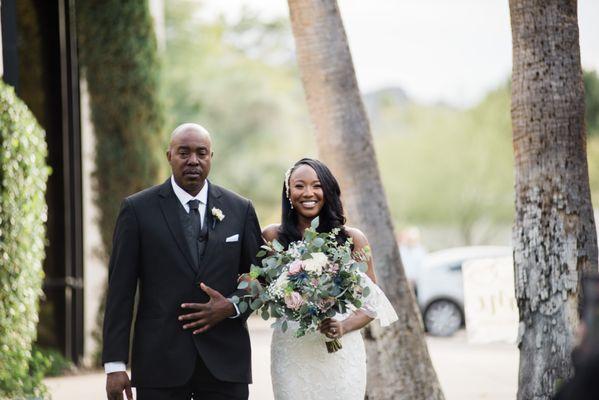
<point>168,155</point>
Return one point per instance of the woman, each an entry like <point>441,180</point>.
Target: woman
<point>301,368</point>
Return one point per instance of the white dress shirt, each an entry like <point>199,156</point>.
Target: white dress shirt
<point>184,198</point>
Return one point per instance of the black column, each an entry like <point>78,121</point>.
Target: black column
<point>73,213</point>
<point>10,61</point>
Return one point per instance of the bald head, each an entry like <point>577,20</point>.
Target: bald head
<point>190,156</point>
<point>190,128</point>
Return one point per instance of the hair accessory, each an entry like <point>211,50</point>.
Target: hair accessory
<point>287,184</point>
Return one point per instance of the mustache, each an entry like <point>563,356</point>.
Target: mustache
<point>192,171</point>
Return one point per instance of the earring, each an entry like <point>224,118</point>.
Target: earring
<point>291,204</point>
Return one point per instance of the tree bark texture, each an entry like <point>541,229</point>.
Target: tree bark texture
<point>554,233</point>
<point>399,366</point>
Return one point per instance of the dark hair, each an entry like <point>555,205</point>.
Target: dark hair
<point>331,215</point>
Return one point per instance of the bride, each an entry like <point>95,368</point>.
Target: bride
<point>302,368</point>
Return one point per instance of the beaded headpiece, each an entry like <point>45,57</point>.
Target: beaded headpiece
<point>287,184</point>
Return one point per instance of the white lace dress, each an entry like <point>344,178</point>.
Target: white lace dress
<point>302,369</point>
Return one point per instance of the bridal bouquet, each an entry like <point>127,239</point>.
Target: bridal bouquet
<point>308,282</point>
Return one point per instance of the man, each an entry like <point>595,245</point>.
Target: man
<point>184,242</point>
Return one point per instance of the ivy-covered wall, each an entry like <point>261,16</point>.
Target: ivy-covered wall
<point>119,59</point>
<point>118,56</point>
<point>23,212</point>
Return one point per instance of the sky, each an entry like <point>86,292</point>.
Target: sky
<point>436,50</point>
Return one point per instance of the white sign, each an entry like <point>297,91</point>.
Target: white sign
<point>489,300</point>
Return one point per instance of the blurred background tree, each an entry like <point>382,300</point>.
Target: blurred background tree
<point>240,82</point>
<point>122,70</point>
<point>445,169</point>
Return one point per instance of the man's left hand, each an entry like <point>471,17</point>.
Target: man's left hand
<point>207,315</point>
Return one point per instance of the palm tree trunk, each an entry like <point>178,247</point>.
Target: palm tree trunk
<point>398,359</point>
<point>554,231</point>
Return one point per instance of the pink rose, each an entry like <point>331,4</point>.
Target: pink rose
<point>294,300</point>
<point>295,267</point>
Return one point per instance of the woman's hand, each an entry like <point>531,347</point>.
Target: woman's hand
<point>332,328</point>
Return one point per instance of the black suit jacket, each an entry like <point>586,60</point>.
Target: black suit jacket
<point>149,247</point>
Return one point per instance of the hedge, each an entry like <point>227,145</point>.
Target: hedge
<point>23,212</point>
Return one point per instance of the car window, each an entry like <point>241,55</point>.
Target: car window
<point>456,267</point>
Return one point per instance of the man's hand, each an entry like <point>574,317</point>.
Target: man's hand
<point>116,382</point>
<point>207,315</point>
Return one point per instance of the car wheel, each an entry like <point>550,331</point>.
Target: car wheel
<point>442,318</point>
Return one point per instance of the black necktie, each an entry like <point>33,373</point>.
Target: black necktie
<point>196,219</point>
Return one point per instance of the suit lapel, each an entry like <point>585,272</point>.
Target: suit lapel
<point>169,205</point>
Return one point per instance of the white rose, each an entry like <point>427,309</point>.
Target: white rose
<point>282,281</point>
<point>316,263</point>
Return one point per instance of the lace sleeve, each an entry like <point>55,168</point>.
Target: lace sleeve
<point>377,305</point>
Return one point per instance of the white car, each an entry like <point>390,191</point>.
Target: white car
<point>439,287</point>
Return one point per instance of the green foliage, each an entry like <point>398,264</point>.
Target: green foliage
<point>450,167</point>
<point>591,92</point>
<point>591,96</point>
<point>49,362</point>
<point>239,80</point>
<point>119,58</point>
<point>23,212</point>
<point>118,53</point>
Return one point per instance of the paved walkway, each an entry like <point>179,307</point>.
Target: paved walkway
<point>466,371</point>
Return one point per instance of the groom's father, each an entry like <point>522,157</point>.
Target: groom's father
<point>181,245</point>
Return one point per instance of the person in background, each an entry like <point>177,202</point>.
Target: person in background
<point>412,253</point>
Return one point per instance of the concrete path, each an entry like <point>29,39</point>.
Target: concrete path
<point>466,371</point>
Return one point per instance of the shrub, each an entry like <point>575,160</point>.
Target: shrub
<point>23,211</point>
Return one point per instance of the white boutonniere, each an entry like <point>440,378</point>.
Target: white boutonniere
<point>218,214</point>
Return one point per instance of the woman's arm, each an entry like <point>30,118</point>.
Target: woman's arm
<point>361,245</point>
<point>271,232</point>
<point>334,329</point>
<point>359,319</point>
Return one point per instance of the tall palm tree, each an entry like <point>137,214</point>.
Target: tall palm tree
<point>554,232</point>
<point>398,360</point>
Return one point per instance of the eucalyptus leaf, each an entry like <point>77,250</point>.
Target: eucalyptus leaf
<point>265,315</point>
<point>243,285</point>
<point>256,304</point>
<point>277,246</point>
<point>315,222</point>
<point>243,306</point>
<point>362,267</point>
<point>366,291</point>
